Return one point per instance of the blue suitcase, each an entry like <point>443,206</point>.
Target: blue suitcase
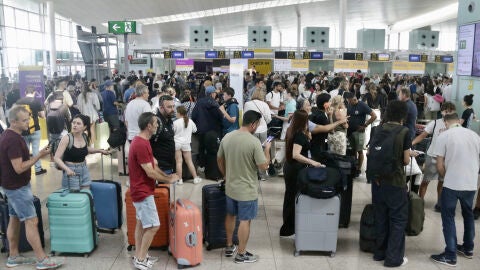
<point>72,221</point>
<point>107,198</point>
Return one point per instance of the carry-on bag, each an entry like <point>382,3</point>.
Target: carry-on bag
<point>367,229</point>
<point>162,198</point>
<point>107,198</point>
<point>23,244</point>
<point>416,214</point>
<point>213,215</point>
<point>316,224</point>
<point>320,183</point>
<point>185,232</point>
<point>72,221</point>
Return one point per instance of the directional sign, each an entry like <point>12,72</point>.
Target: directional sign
<point>122,27</point>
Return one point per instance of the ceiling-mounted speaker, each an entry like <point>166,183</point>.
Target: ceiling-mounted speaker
<point>420,39</point>
<point>201,36</point>
<point>316,37</point>
<point>259,36</point>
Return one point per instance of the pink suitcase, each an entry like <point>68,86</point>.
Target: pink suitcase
<point>186,237</point>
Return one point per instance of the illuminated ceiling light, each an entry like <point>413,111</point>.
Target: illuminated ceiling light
<point>443,14</point>
<point>223,11</point>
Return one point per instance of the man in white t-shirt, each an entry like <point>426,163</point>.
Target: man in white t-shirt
<point>274,99</point>
<point>430,172</point>
<point>457,150</point>
<point>134,109</point>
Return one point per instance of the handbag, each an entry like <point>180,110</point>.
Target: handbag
<point>412,168</point>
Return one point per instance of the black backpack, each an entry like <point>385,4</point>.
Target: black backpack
<point>320,183</point>
<point>381,161</point>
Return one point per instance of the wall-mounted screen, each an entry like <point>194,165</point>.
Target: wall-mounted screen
<point>466,38</point>
<point>476,52</point>
<point>414,57</point>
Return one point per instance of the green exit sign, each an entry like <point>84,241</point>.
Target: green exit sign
<point>122,27</point>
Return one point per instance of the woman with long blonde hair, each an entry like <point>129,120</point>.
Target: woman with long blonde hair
<point>337,138</point>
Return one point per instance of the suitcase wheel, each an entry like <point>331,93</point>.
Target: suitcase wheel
<point>296,253</point>
<point>52,253</point>
<point>129,247</point>
<point>181,266</point>
<point>332,254</point>
<point>86,255</point>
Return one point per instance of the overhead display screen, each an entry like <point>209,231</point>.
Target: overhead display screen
<point>466,39</point>
<point>380,57</point>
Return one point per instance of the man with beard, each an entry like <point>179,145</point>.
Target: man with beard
<point>162,142</point>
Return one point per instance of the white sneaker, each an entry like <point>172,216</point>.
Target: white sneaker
<point>180,182</point>
<point>405,261</point>
<point>142,265</point>
<point>152,259</point>
<point>197,180</point>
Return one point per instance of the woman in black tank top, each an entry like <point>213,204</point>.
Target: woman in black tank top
<point>71,152</point>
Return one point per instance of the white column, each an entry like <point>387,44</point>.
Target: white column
<point>299,29</point>
<point>53,49</point>
<point>342,22</point>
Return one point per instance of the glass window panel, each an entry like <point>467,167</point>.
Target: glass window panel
<point>34,20</point>
<point>26,5</point>
<point>65,28</point>
<point>57,26</point>
<point>9,16</point>
<point>21,19</point>
<point>36,39</point>
<point>10,37</point>
<point>12,57</point>
<point>25,57</point>
<point>23,39</point>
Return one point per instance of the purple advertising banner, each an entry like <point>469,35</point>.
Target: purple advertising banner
<point>184,62</point>
<point>32,76</point>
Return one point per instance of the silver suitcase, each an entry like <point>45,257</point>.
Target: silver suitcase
<point>316,224</point>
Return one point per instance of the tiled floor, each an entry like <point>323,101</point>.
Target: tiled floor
<point>275,253</point>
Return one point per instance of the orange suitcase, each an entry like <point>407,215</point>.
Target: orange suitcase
<point>162,200</point>
<point>186,235</point>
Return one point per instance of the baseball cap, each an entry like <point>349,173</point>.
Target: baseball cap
<point>209,89</point>
<point>108,83</point>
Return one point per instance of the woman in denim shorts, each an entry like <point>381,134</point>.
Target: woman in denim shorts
<point>70,155</point>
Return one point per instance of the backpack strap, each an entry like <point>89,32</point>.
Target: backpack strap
<point>70,141</point>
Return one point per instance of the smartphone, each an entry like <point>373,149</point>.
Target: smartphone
<point>269,139</point>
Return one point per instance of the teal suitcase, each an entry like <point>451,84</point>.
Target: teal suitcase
<point>72,222</point>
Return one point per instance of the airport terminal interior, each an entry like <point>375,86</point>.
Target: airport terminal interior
<point>231,40</point>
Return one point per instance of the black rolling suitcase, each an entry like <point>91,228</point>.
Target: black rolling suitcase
<point>213,215</point>
<point>23,244</point>
<point>346,164</point>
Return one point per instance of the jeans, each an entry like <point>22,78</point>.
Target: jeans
<point>449,199</point>
<point>34,139</point>
<point>391,216</point>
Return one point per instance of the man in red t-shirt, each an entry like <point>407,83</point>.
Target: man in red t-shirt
<point>144,171</point>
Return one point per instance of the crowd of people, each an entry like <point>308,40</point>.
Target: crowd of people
<point>310,114</point>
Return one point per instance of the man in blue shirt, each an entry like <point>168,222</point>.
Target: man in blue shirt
<point>412,113</point>
<point>110,112</point>
<point>230,111</point>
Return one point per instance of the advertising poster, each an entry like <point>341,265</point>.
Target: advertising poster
<point>31,76</point>
<point>236,82</point>
<point>476,53</point>
<point>184,64</point>
<point>466,36</point>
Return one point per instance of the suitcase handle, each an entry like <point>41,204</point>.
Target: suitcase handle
<point>180,201</point>
<point>191,239</point>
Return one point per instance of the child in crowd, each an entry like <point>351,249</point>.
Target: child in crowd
<point>184,127</point>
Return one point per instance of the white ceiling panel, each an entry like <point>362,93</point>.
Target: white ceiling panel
<point>360,14</point>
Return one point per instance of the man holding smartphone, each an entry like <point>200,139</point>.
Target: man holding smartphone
<point>15,167</point>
